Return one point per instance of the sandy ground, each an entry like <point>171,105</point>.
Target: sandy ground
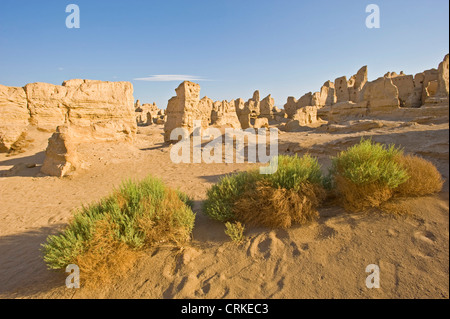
<point>326,259</point>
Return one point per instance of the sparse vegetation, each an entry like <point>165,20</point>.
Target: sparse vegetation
<point>290,195</point>
<point>366,174</point>
<point>369,174</point>
<point>424,178</point>
<point>105,238</point>
<point>235,231</point>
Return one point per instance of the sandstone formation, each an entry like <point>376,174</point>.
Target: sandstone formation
<point>160,120</point>
<point>184,108</point>
<point>243,113</point>
<point>254,105</point>
<point>305,100</point>
<point>428,77</point>
<point>278,115</point>
<point>14,115</point>
<point>61,156</point>
<point>294,126</point>
<point>138,106</point>
<point>342,94</point>
<point>343,111</point>
<point>48,105</point>
<point>326,96</point>
<point>266,107</point>
<point>291,106</point>
<point>260,122</point>
<point>381,95</point>
<point>106,107</point>
<point>405,86</point>
<point>152,108</point>
<point>306,115</point>
<point>146,114</point>
<point>96,110</point>
<point>442,86</point>
<point>144,119</point>
<point>356,84</point>
<point>357,98</point>
<point>224,115</point>
<point>105,111</point>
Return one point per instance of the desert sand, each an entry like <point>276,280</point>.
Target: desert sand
<point>326,259</point>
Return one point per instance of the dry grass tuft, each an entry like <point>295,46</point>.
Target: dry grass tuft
<point>424,178</point>
<point>272,207</point>
<point>396,207</point>
<point>106,260</point>
<point>163,229</point>
<point>356,198</point>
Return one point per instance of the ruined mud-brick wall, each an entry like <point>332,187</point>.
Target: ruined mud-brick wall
<point>95,110</point>
<point>148,114</point>
<point>385,96</point>
<point>184,108</point>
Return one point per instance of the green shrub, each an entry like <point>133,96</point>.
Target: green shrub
<point>221,196</point>
<point>135,216</point>
<point>273,200</point>
<point>235,231</point>
<point>366,174</point>
<point>369,162</point>
<point>293,171</point>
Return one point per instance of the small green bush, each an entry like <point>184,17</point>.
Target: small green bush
<point>366,174</point>
<point>369,162</point>
<point>235,231</point>
<point>137,215</point>
<point>293,171</point>
<point>221,196</point>
<point>296,181</point>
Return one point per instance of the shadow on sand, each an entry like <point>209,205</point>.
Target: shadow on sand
<point>20,166</point>
<point>23,271</point>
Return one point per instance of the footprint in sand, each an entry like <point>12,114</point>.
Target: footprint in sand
<point>304,246</point>
<point>393,232</point>
<point>265,246</point>
<point>424,244</point>
<point>295,249</point>
<point>284,236</point>
<point>325,232</point>
<point>185,288</point>
<point>425,236</point>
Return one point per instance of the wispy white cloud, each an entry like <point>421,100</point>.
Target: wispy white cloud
<point>60,69</point>
<point>171,77</point>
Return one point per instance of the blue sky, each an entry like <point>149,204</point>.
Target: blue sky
<point>231,48</point>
